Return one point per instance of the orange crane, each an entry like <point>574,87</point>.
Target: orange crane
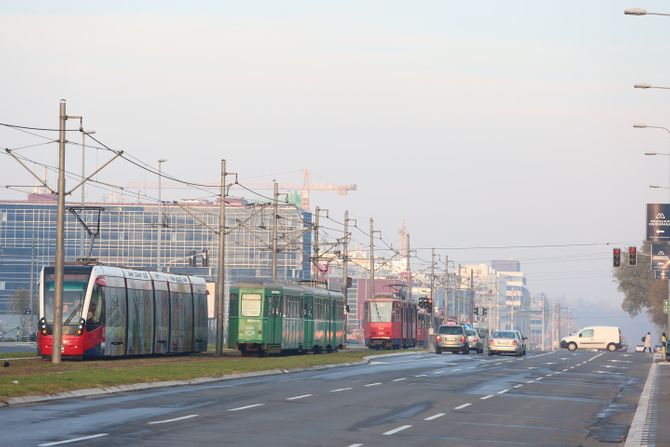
<point>305,188</point>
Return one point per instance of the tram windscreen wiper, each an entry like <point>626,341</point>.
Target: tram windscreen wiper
<point>66,322</point>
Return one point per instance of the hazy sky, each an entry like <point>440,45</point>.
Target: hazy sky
<point>479,123</point>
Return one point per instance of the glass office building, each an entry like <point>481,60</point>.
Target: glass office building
<point>130,235</point>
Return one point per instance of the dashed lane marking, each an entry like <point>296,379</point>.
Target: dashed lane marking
<point>435,416</point>
<point>340,389</point>
<point>400,379</point>
<point>68,441</point>
<point>246,407</point>
<point>487,397</point>
<point>518,386</point>
<point>165,421</point>
<point>460,407</point>
<point>503,391</point>
<point>373,384</point>
<point>396,430</point>
<point>299,397</point>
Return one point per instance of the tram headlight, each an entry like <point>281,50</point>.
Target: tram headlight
<point>80,326</point>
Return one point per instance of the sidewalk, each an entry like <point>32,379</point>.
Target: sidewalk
<point>662,413</point>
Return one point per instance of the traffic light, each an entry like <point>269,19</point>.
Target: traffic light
<point>632,255</point>
<point>205,258</point>
<point>484,311</point>
<point>616,257</point>
<point>429,305</point>
<point>192,259</point>
<point>477,311</point>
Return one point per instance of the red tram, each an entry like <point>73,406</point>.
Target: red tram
<point>390,322</point>
<point>112,312</point>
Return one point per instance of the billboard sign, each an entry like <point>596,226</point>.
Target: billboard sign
<point>658,221</point>
<point>660,257</point>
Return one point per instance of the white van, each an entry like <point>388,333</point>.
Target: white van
<point>594,337</point>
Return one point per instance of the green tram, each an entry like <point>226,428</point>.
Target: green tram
<point>274,317</point>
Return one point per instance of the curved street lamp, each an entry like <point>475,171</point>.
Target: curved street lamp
<point>642,12</point>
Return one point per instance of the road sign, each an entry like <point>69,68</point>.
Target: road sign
<point>27,311</point>
<point>662,274</point>
<point>666,306</point>
<point>658,225</point>
<point>660,257</point>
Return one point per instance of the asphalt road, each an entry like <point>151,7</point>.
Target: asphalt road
<point>550,399</point>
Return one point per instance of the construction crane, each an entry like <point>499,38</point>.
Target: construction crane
<point>305,188</point>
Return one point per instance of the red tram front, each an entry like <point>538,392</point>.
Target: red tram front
<point>114,312</point>
<point>390,323</point>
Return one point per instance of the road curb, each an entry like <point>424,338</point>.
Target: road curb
<point>643,424</point>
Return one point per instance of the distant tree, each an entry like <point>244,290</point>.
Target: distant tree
<point>642,292</point>
<point>19,301</point>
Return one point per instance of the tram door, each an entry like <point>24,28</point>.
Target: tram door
<point>274,320</point>
<point>116,314</point>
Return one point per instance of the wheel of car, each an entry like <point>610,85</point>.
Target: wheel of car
<point>611,347</point>
<point>438,351</point>
<point>491,352</point>
<point>480,351</point>
<point>572,346</point>
<point>466,350</point>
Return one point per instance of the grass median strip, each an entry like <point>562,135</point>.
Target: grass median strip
<point>35,376</point>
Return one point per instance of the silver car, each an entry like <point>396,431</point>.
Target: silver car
<point>451,338</point>
<point>474,341</point>
<point>507,342</point>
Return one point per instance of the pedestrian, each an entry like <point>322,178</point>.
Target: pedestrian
<point>664,342</point>
<point>647,342</point>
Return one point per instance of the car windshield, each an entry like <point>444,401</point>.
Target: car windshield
<point>503,334</point>
<point>472,333</point>
<point>451,330</point>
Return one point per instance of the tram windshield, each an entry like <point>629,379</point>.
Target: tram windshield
<point>251,305</point>
<point>74,290</point>
<point>380,312</point>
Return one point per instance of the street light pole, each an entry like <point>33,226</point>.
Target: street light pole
<point>642,12</point>
<point>160,214</point>
<point>220,330</point>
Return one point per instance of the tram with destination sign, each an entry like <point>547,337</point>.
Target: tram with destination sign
<point>119,312</point>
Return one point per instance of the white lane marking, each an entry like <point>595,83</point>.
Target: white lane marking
<point>399,380</point>
<point>499,363</point>
<point>572,367</point>
<point>470,367</point>
<point>356,445</point>
<point>439,372</point>
<point>550,363</point>
<point>67,441</point>
<point>435,416</point>
<point>337,390</point>
<point>460,407</point>
<point>539,378</point>
<point>549,375</point>
<point>532,367</point>
<point>511,361</point>
<point>299,397</point>
<point>422,375</point>
<point>396,430</point>
<point>246,407</point>
<point>620,361</point>
<point>565,369</point>
<point>373,384</point>
<point>530,381</point>
<point>487,397</point>
<point>518,386</point>
<point>165,421</point>
<point>457,369</point>
<point>596,356</point>
<point>503,391</point>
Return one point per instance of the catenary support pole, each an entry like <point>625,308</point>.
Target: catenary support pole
<point>220,279</point>
<point>371,287</point>
<point>60,241</point>
<point>275,222</point>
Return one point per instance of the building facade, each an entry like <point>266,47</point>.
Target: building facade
<point>181,237</point>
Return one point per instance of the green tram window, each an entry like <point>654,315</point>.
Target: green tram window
<point>251,305</point>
